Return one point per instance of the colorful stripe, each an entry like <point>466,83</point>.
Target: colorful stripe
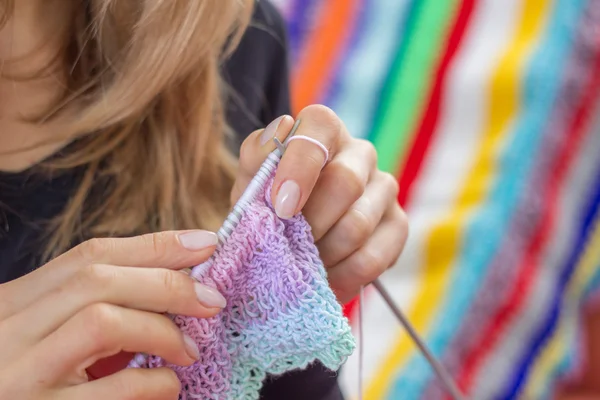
<point>471,104</point>
<point>503,92</point>
<point>426,130</point>
<point>410,80</point>
<point>490,333</point>
<point>327,43</point>
<point>561,339</point>
<point>301,16</point>
<point>524,365</point>
<point>362,75</point>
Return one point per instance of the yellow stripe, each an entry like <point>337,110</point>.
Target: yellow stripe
<point>444,242</point>
<point>554,352</point>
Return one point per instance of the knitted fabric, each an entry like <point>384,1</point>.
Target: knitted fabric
<point>280,314</point>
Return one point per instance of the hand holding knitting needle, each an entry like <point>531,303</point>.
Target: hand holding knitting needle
<point>351,205</point>
<point>103,297</point>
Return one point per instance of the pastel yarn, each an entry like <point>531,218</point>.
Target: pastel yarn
<point>281,313</point>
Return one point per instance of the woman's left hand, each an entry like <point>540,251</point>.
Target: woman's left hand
<point>358,226</point>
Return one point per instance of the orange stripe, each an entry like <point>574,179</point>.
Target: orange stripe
<point>324,46</point>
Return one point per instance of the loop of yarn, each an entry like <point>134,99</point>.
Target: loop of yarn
<point>281,313</point>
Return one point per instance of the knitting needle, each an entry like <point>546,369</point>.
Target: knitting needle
<point>266,169</point>
<point>439,369</point>
<point>234,217</point>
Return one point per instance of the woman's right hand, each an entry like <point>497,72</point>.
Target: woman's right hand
<point>101,298</point>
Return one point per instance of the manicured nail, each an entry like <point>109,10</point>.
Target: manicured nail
<point>191,348</point>
<point>287,199</point>
<point>271,130</point>
<point>198,240</point>
<point>209,297</point>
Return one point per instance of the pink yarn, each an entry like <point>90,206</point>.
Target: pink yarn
<point>280,314</point>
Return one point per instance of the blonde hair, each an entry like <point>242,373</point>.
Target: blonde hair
<point>150,120</point>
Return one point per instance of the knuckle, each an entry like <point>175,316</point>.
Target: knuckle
<point>309,159</point>
<point>323,116</point>
<point>169,280</point>
<point>352,185</point>
<point>356,228</point>
<point>157,243</point>
<point>370,151</point>
<point>390,183</point>
<point>94,275</point>
<point>403,227</point>
<point>370,265</point>
<point>94,249</point>
<point>100,320</point>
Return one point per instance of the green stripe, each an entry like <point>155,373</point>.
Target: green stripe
<point>410,79</point>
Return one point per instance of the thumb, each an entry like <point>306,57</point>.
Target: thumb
<point>255,150</point>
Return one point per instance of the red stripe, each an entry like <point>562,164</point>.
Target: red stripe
<point>530,263</point>
<point>350,307</point>
<point>425,133</point>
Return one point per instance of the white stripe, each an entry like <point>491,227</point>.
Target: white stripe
<point>516,340</point>
<point>450,159</point>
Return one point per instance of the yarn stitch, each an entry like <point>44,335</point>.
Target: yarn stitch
<point>281,313</point>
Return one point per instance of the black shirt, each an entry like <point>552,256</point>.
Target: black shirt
<point>257,75</point>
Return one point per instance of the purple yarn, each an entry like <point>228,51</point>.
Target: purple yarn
<point>280,314</point>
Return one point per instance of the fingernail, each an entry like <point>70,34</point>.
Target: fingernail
<point>198,240</point>
<point>209,297</point>
<point>287,199</point>
<point>191,348</point>
<point>271,130</point>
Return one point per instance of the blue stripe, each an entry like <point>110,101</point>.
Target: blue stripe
<point>489,228</point>
<point>362,15</point>
<point>300,23</point>
<point>550,322</point>
<point>360,81</point>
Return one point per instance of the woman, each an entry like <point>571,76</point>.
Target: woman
<point>113,124</point>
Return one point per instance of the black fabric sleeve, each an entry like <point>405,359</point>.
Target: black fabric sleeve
<point>256,75</point>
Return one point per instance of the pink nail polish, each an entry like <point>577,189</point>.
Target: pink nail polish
<point>191,347</point>
<point>271,130</point>
<point>287,200</point>
<point>198,240</point>
<point>209,297</point>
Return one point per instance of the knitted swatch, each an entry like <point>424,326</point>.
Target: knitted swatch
<point>280,314</point>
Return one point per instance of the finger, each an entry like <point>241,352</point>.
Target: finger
<point>102,330</point>
<point>134,383</point>
<point>353,230</point>
<point>255,150</point>
<point>156,290</point>
<point>171,249</point>
<point>302,162</point>
<point>342,182</point>
<point>379,253</point>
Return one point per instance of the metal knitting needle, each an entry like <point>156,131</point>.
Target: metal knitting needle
<point>265,171</point>
<point>439,369</point>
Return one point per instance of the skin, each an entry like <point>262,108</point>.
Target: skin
<point>80,300</point>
